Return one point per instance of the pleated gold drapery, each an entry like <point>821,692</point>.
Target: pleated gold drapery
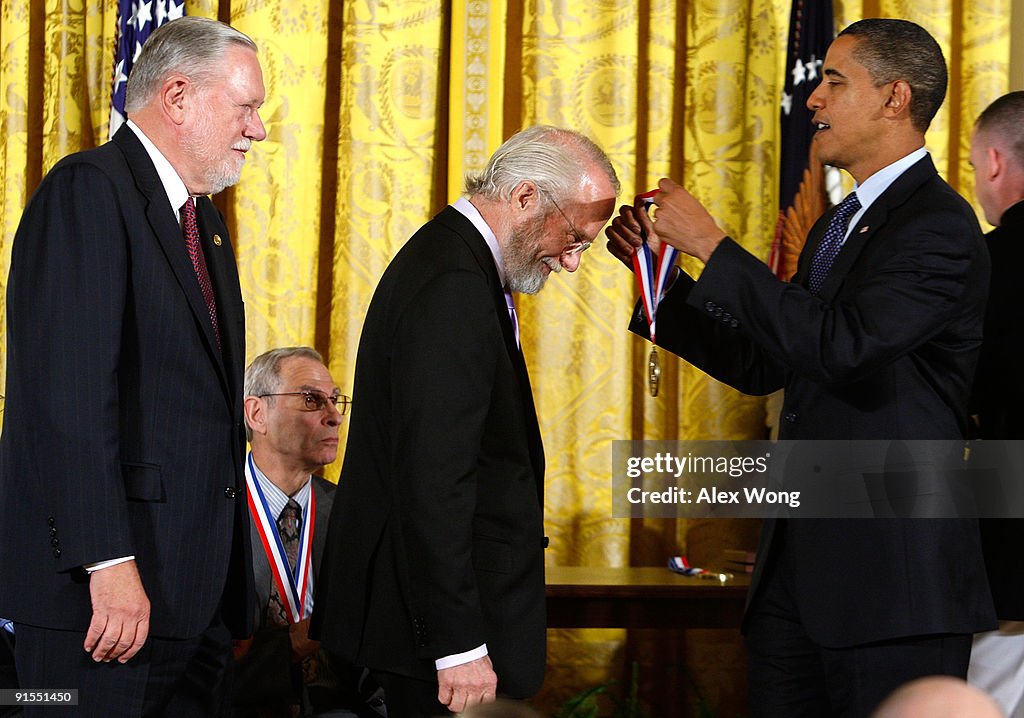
<point>374,112</point>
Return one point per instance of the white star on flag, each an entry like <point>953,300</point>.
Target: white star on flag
<point>144,14</point>
<point>798,72</point>
<point>119,75</point>
<point>812,68</point>
<point>787,102</point>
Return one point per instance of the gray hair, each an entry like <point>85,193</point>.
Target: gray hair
<point>192,46</point>
<point>555,159</point>
<point>1004,119</point>
<point>893,50</point>
<point>263,376</point>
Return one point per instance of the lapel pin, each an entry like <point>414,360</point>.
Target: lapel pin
<point>863,229</point>
<point>217,239</point>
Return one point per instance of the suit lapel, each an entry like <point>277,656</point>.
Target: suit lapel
<point>866,227</point>
<point>260,569</point>
<point>220,263</point>
<point>323,515</point>
<point>169,236</point>
<point>455,220</point>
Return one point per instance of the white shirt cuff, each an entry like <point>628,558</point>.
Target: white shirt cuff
<point>459,658</point>
<point>93,567</point>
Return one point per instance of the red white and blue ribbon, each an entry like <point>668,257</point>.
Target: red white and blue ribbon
<point>679,564</point>
<point>292,585</point>
<point>651,277</point>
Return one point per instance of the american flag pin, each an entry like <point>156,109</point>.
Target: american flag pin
<point>217,239</point>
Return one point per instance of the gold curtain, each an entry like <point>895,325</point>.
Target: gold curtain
<point>375,110</point>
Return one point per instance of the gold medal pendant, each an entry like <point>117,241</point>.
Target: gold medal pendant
<point>653,372</point>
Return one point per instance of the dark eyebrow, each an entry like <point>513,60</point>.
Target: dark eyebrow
<point>307,387</point>
<point>834,73</point>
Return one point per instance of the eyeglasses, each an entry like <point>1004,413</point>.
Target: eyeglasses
<point>317,400</point>
<point>580,245</point>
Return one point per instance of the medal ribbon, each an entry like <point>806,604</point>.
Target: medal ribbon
<point>291,583</point>
<point>651,278</point>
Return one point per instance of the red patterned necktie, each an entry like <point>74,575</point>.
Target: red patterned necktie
<point>195,253</point>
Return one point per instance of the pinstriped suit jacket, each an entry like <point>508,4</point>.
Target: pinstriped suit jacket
<point>122,434</point>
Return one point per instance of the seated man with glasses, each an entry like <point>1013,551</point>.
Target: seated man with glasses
<point>293,410</point>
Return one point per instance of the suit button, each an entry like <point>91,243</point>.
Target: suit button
<point>56,553</point>
<point>790,417</point>
<point>51,522</point>
<point>734,322</point>
<point>726,317</point>
<point>230,492</point>
<point>53,531</point>
<point>55,542</point>
<point>718,311</point>
<point>709,305</point>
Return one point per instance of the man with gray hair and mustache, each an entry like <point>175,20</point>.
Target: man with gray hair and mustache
<point>438,519</point>
<point>123,522</point>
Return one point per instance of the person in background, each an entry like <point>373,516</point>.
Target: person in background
<point>997,401</point>
<point>293,411</point>
<point>938,697</point>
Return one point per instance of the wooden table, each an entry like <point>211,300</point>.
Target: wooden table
<point>641,597</point>
<point>648,597</point>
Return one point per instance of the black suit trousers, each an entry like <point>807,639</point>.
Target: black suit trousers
<point>792,676</point>
<point>176,678</point>
<point>410,697</point>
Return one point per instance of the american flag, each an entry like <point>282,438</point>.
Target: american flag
<point>811,31</point>
<point>135,21</point>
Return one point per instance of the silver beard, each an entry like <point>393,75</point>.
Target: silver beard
<point>216,177</point>
<point>523,271</point>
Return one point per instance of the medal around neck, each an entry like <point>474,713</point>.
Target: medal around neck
<point>653,371</point>
<point>651,276</point>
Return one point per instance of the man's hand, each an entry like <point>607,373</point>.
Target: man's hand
<point>465,685</point>
<point>683,222</point>
<point>240,646</point>
<point>120,613</point>
<point>302,645</point>
<point>624,234</point>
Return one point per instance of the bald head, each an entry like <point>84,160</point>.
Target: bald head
<point>938,697</point>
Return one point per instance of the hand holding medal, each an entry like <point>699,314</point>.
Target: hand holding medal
<point>652,271</point>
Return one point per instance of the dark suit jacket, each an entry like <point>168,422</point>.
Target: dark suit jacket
<point>122,433</point>
<point>998,401</point>
<point>887,351</point>
<point>436,544</point>
<point>265,672</point>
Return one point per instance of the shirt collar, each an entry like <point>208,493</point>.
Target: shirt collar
<point>879,182</point>
<point>277,499</point>
<point>470,212</point>
<point>873,187</point>
<point>174,187</point>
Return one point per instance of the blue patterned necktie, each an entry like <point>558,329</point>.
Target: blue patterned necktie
<point>832,242</point>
